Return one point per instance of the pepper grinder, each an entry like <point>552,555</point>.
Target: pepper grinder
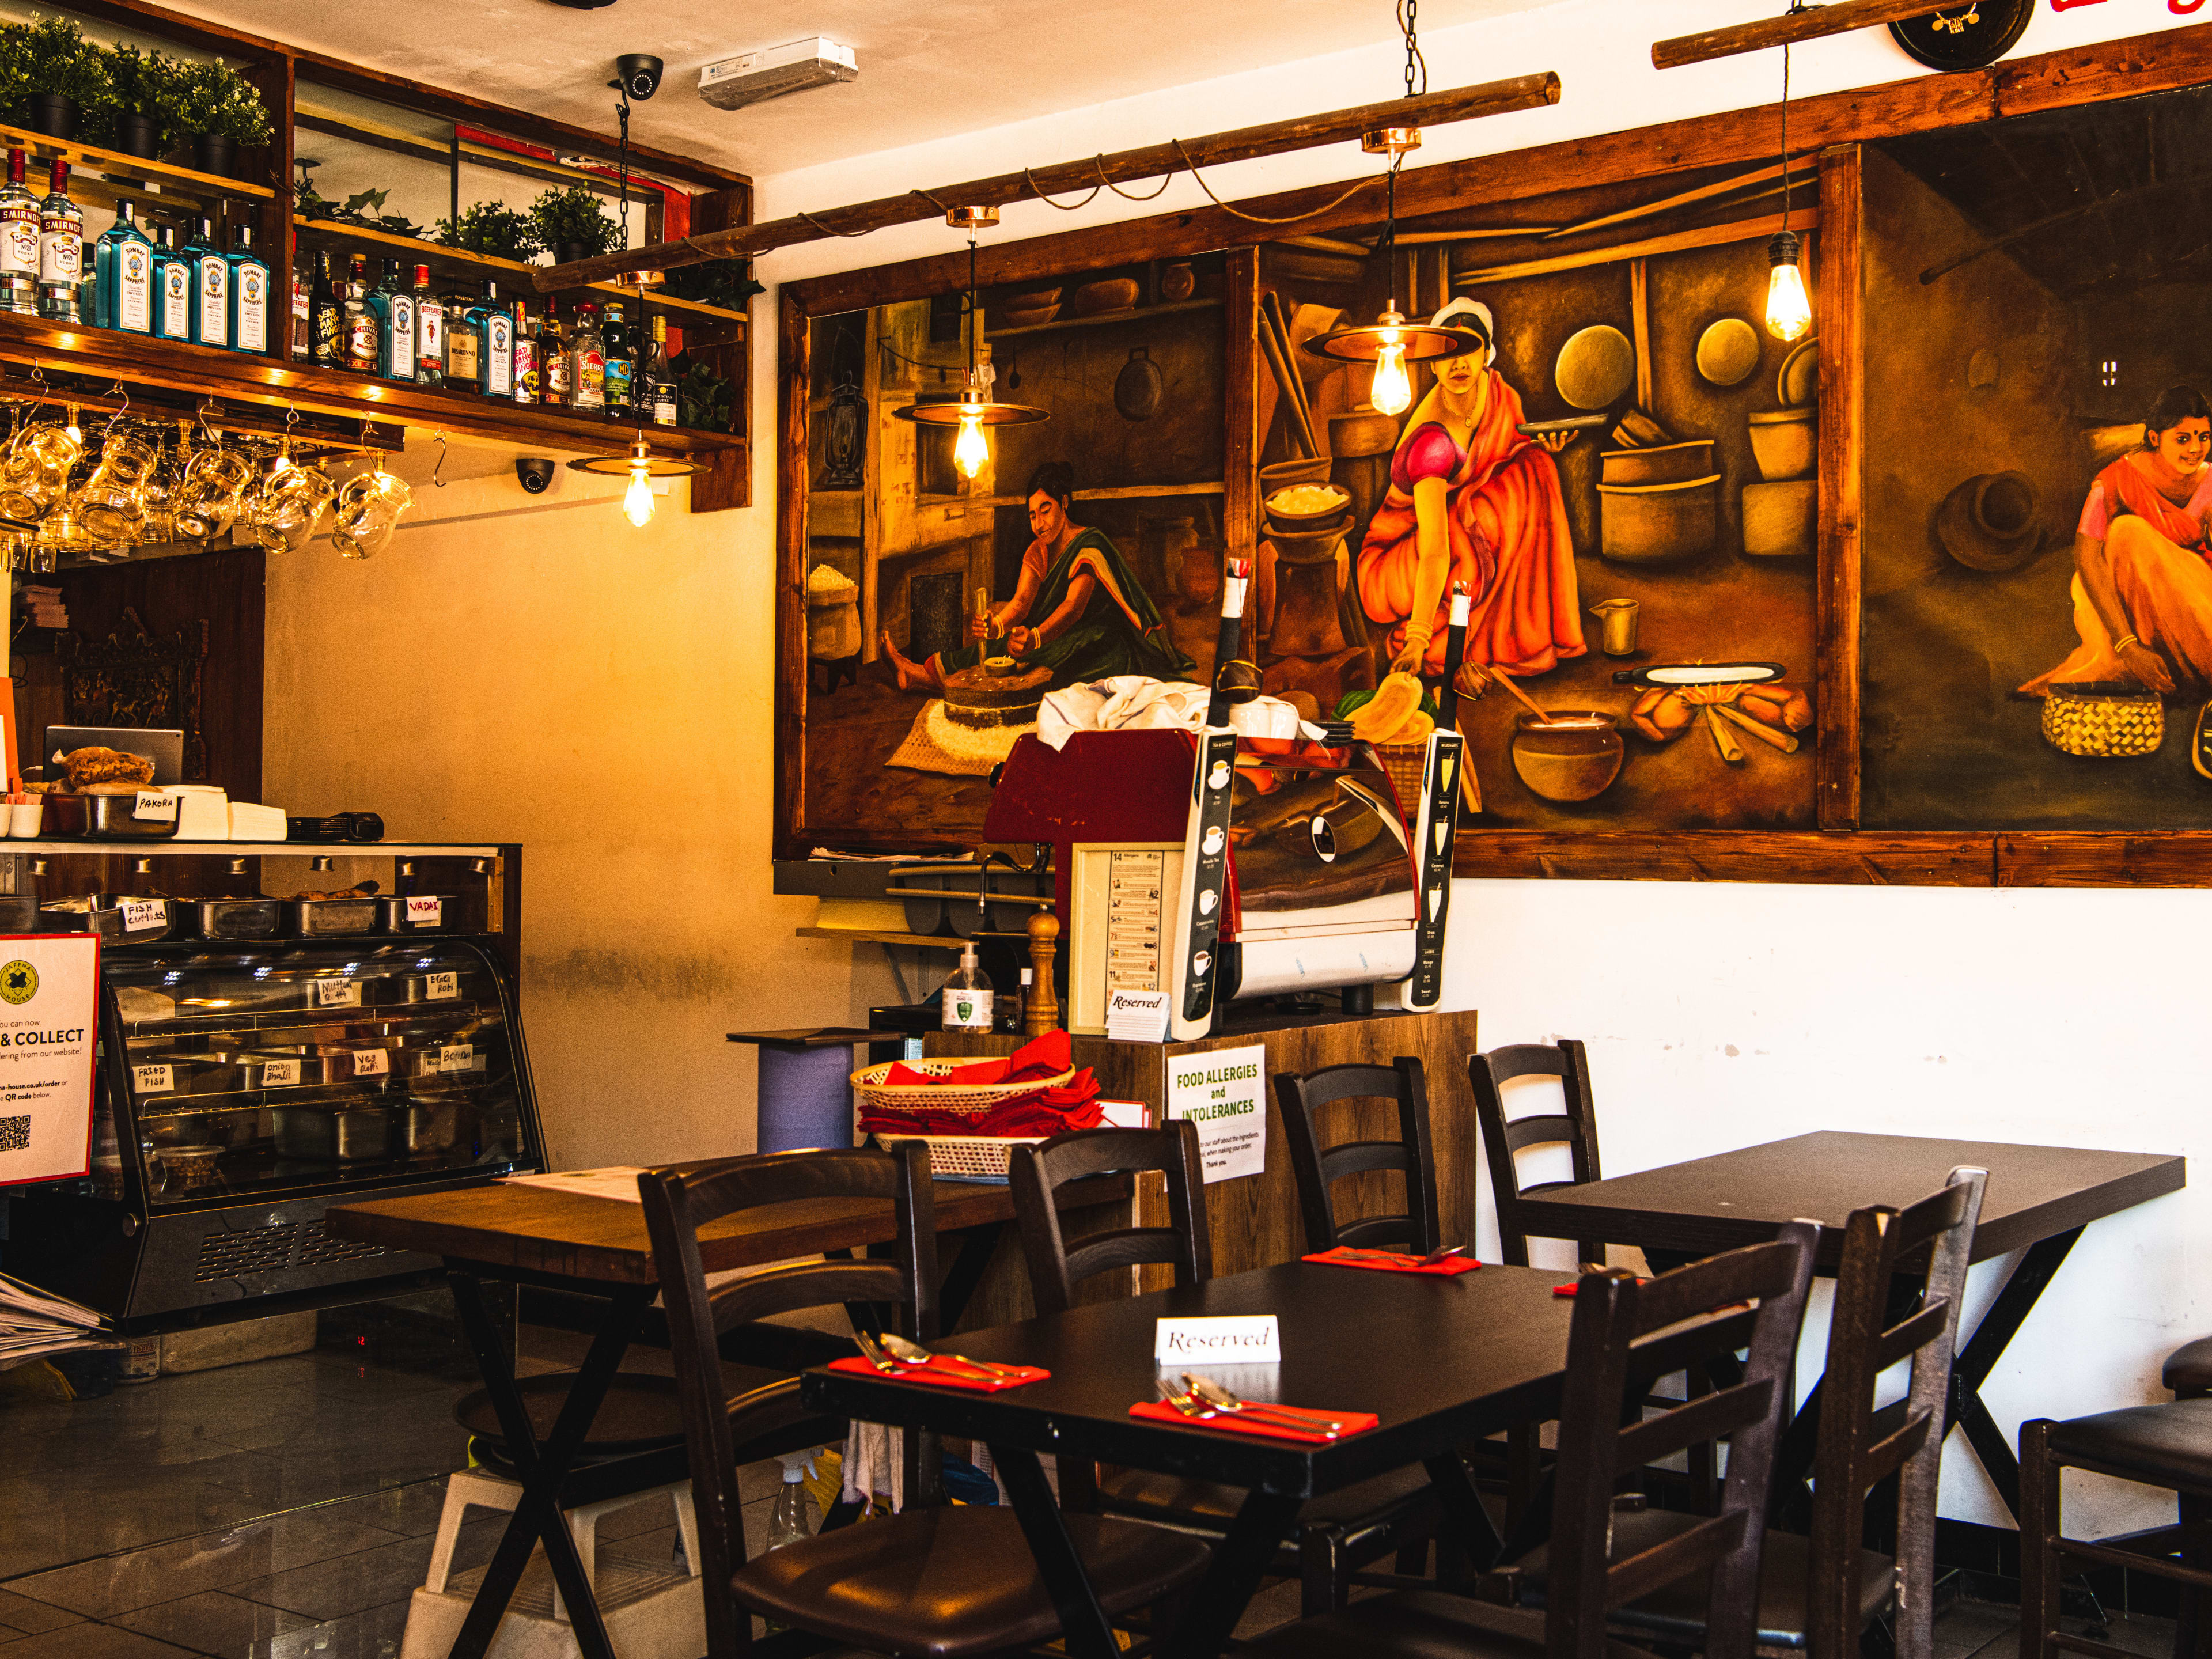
<point>1041,1012</point>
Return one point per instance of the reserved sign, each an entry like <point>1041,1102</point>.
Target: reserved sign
<point>1227,1338</point>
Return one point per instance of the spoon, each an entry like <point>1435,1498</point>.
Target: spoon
<point>912,1353</point>
<point>1429,1261</point>
<point>1229,1400</point>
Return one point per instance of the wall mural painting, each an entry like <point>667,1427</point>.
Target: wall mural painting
<point>1623,479</point>
<point>2038,609</point>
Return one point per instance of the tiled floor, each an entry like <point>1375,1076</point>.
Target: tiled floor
<point>283,1509</point>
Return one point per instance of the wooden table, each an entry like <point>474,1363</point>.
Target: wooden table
<point>1472,1354</point>
<point>598,1246</point>
<point>2038,1200</point>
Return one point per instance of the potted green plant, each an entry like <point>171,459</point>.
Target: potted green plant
<point>494,228</point>
<point>223,111</point>
<point>571,226</point>
<point>66,76</point>
<point>703,397</point>
<point>141,103</point>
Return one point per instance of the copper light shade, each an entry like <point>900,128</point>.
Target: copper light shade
<point>1423,343</point>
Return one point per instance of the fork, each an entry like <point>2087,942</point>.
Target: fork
<point>1200,1410</point>
<point>1429,1261</point>
<point>1228,1400</point>
<point>912,1353</point>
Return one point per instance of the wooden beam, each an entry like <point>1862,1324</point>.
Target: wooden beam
<point>1740,230</point>
<point>1703,193</point>
<point>1863,859</point>
<point>1839,322</point>
<point>1153,161</point>
<point>1839,17</point>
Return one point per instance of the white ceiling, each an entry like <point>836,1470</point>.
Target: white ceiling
<point>929,69</point>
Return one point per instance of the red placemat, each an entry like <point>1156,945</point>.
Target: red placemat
<point>1389,1262</point>
<point>938,1375</point>
<point>1159,1411</point>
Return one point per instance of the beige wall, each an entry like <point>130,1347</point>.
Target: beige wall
<point>549,675</point>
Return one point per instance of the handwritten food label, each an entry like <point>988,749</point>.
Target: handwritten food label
<point>1224,1093</point>
<point>1235,1339</point>
<point>153,1079</point>
<point>337,993</point>
<point>426,912</point>
<point>280,1074</point>
<point>457,1057</point>
<point>139,915</point>
<point>436,988</point>
<point>155,806</point>
<point>371,1062</point>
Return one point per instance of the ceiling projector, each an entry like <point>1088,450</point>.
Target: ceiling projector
<point>816,61</point>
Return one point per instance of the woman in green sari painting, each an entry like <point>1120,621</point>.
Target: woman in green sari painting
<point>1078,610</point>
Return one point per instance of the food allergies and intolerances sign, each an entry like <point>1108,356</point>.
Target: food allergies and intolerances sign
<point>49,993</point>
<point>1224,1093</point>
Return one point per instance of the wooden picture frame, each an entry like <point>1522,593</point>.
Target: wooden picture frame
<point>1832,127</point>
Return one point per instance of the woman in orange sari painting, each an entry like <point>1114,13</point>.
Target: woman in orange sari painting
<point>1473,500</point>
<point>2142,585</point>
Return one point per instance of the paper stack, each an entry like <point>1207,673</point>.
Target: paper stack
<point>251,822</point>
<point>33,1322</point>
<point>44,605</point>
<point>1137,1016</point>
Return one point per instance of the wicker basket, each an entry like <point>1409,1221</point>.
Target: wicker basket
<point>2104,720</point>
<point>952,1156</point>
<point>870,1089</point>
<point>1406,764</point>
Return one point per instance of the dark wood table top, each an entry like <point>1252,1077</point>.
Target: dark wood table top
<point>534,1230</point>
<point>1739,1198</point>
<point>1440,1360</point>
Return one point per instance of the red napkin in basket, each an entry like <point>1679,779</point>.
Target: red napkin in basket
<point>937,1374</point>
<point>1159,1411</point>
<point>1073,1105</point>
<point>1341,1257</point>
<point>1032,1063</point>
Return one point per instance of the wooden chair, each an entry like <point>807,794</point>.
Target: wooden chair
<point>1819,1595</point>
<point>1574,1126</point>
<point>1619,1338</point>
<point>1318,1167</point>
<point>1335,1536</point>
<point>933,1582</point>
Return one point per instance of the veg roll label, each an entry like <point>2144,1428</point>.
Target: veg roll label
<point>371,1062</point>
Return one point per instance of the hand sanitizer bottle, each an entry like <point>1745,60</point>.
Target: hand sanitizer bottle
<point>966,996</point>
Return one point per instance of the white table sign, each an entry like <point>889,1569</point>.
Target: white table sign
<point>49,990</point>
<point>1224,1339</point>
<point>1225,1092</point>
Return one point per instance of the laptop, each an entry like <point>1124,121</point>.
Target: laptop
<point>165,749</point>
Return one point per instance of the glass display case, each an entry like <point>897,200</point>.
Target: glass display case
<point>283,1028</point>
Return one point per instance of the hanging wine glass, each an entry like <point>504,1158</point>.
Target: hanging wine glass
<point>290,502</point>
<point>208,497</point>
<point>35,475</point>
<point>368,511</point>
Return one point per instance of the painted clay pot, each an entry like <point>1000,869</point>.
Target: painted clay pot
<point>1990,522</point>
<point>1654,523</point>
<point>1574,756</point>
<point>1785,442</point>
<point>1664,464</point>
<point>1138,388</point>
<point>1782,521</point>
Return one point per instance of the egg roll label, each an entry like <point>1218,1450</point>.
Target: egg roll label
<point>337,993</point>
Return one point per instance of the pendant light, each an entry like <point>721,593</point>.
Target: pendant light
<point>974,408</point>
<point>1390,343</point>
<point>641,466</point>
<point>1789,311</point>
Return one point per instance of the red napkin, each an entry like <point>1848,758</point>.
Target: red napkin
<point>1568,1289</point>
<point>1159,1411</point>
<point>937,1374</point>
<point>1341,1257</point>
<point>1073,1105</point>
<point>1048,1056</point>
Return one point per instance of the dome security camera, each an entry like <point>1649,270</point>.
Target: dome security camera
<point>638,74</point>
<point>535,472</point>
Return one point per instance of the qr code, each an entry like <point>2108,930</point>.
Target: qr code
<point>14,1133</point>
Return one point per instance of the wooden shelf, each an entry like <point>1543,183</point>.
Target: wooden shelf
<point>917,941</point>
<point>437,254</point>
<point>1137,314</point>
<point>103,355</point>
<point>113,163</point>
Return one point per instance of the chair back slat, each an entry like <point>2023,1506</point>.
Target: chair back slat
<point>678,1203</point>
<point>1692,1315</point>
<point>1056,1267</point>
<point>1575,1127</point>
<point>1301,1099</point>
<point>1899,1287</point>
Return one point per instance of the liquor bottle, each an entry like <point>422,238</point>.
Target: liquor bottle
<point>359,322</point>
<point>210,286</point>
<point>301,332</point>
<point>1235,681</point>
<point>394,310</point>
<point>430,331</point>
<point>552,359</point>
<point>656,380</point>
<point>61,250</point>
<point>620,350</point>
<point>494,331</point>
<point>172,286</point>
<point>587,364</point>
<point>19,242</point>
<point>122,274</point>
<point>966,1004</point>
<point>525,373</point>
<point>249,294</point>
<point>461,355</point>
<point>326,313</point>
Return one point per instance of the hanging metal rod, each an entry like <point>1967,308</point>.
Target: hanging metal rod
<point>1275,138</point>
<point>1839,18</point>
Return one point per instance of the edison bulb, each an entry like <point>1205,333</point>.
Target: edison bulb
<point>971,451</point>
<point>638,500</point>
<point>1390,392</point>
<point>1789,311</point>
